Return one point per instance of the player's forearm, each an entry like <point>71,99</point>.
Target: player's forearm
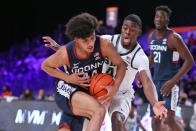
<point>187,65</point>
<point>55,72</point>
<point>150,93</point>
<point>148,87</point>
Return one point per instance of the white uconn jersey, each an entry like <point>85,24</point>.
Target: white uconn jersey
<point>135,60</point>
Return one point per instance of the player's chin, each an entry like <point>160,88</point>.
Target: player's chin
<point>158,27</point>
<point>126,43</point>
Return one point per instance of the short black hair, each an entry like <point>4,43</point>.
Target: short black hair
<point>135,18</point>
<point>164,8</point>
<point>81,26</point>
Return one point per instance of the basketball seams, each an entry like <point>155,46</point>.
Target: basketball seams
<point>98,81</point>
<point>98,92</point>
<point>94,79</point>
<point>109,83</point>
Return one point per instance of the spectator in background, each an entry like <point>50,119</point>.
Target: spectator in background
<point>192,90</point>
<point>27,95</point>
<point>6,91</point>
<point>50,97</point>
<point>138,100</point>
<point>192,40</point>
<point>193,119</point>
<point>192,45</point>
<point>133,120</point>
<point>41,95</point>
<point>184,97</point>
<point>102,28</point>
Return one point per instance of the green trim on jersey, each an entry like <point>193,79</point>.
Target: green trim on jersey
<point>129,51</point>
<point>117,41</point>
<point>133,59</point>
<point>112,38</point>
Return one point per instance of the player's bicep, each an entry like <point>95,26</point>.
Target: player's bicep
<point>58,59</point>
<point>141,62</point>
<point>178,43</point>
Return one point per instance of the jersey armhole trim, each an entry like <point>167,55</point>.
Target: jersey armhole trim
<point>100,48</point>
<point>173,49</point>
<point>117,41</point>
<point>112,38</point>
<point>68,58</point>
<point>133,59</point>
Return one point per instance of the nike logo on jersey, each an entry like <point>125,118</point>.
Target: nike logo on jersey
<point>75,64</point>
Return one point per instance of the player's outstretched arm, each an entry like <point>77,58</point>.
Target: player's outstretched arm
<point>151,94</point>
<point>150,61</point>
<point>52,43</point>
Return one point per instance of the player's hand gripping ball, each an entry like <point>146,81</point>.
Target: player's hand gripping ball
<point>96,83</point>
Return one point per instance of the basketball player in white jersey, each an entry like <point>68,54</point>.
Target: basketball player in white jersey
<point>136,61</point>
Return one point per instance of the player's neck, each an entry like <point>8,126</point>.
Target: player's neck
<point>80,52</point>
<point>161,32</point>
<point>130,46</point>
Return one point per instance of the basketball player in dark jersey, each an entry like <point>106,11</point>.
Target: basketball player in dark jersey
<point>166,47</point>
<point>83,57</point>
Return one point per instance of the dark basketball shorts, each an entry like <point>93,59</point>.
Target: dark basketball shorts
<point>171,100</point>
<point>63,95</point>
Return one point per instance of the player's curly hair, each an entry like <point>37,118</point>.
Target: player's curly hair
<point>164,8</point>
<point>82,26</point>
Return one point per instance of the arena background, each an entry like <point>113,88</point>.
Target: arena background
<point>23,23</point>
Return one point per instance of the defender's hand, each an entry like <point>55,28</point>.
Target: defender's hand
<point>159,110</point>
<point>52,44</point>
<point>79,79</point>
<point>111,92</point>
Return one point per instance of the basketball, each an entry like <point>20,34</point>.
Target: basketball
<point>98,80</point>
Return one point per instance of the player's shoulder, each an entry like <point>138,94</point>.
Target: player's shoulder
<point>139,50</point>
<point>140,54</point>
<point>175,39</point>
<point>175,35</point>
<point>110,37</point>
